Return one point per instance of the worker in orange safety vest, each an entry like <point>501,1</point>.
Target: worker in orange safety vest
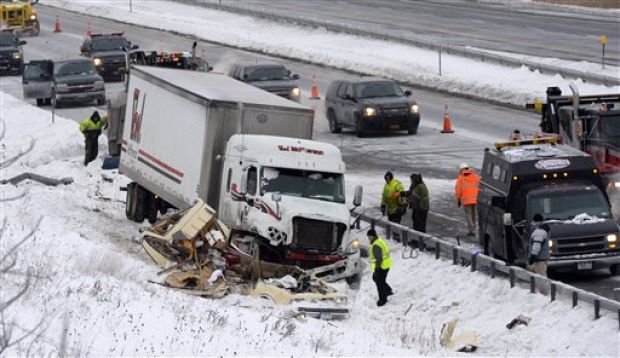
<point>466,190</point>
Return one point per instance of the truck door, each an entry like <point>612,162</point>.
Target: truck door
<point>37,81</point>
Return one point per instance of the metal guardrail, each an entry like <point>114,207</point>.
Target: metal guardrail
<point>433,45</point>
<point>480,262</point>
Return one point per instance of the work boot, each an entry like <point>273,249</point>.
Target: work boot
<point>381,302</point>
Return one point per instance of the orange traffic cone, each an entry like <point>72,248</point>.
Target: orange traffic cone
<point>57,28</point>
<point>447,122</point>
<point>89,32</point>
<point>314,93</point>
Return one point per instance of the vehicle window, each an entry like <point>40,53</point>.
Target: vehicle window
<point>489,168</point>
<point>341,89</point>
<point>502,176</point>
<point>35,71</point>
<point>75,68</point>
<point>252,181</point>
<point>266,74</point>
<point>349,91</point>
<point>109,44</point>
<point>496,172</point>
<point>562,205</point>
<point>611,128</point>
<point>8,40</point>
<point>301,183</point>
<point>378,89</point>
<point>228,179</point>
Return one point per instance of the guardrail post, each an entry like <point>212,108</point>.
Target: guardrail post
<point>511,275</point>
<point>404,237</point>
<point>532,284</point>
<point>619,319</point>
<point>575,299</point>
<point>597,309</point>
<point>474,257</point>
<point>455,255</point>
<point>437,250</point>
<point>553,288</point>
<point>492,267</point>
<point>388,232</point>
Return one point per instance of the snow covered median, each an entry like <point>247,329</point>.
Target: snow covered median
<point>90,288</point>
<point>355,53</point>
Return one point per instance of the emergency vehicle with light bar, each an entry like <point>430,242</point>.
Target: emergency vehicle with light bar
<point>248,154</point>
<point>523,177</point>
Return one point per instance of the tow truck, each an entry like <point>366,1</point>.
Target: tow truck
<point>521,178</point>
<point>19,16</point>
<point>588,123</point>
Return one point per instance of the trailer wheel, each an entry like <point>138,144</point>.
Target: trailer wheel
<point>152,206</point>
<point>129,202</point>
<point>40,102</point>
<point>141,197</point>
<point>334,127</point>
<point>614,269</point>
<point>359,127</point>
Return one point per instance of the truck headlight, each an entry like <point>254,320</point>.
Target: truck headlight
<point>97,62</point>
<point>33,17</point>
<point>369,112</point>
<point>551,244</point>
<point>415,109</point>
<point>612,238</point>
<point>617,184</point>
<point>295,92</point>
<point>16,55</point>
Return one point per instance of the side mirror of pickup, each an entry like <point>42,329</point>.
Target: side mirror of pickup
<point>22,42</point>
<point>507,219</point>
<point>357,197</point>
<point>295,77</point>
<point>407,93</point>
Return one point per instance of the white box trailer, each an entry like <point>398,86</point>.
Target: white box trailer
<point>248,154</point>
<point>177,123</point>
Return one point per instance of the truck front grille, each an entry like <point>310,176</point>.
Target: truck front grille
<point>317,236</point>
<point>580,245</point>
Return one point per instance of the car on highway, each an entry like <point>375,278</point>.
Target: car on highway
<point>108,53</point>
<point>273,78</point>
<point>11,53</point>
<point>60,82</point>
<point>367,104</point>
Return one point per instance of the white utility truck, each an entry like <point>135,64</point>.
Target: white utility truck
<point>249,155</point>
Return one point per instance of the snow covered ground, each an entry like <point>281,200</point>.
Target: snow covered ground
<point>364,55</point>
<point>93,296</point>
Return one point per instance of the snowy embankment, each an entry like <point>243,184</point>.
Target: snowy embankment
<point>90,288</point>
<point>355,53</point>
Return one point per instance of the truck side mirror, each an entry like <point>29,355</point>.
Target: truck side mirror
<point>22,42</point>
<point>295,77</point>
<point>508,219</point>
<point>276,197</point>
<point>243,187</point>
<point>357,197</point>
<point>407,93</point>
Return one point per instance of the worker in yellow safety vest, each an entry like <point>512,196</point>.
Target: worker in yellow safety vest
<point>380,263</point>
<point>392,202</point>
<point>91,128</point>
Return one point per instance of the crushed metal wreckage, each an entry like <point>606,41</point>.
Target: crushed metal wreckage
<point>193,247</point>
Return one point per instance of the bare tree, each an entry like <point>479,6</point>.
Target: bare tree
<point>12,333</point>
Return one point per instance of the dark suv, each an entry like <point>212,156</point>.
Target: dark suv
<point>274,78</point>
<point>107,52</point>
<point>370,104</point>
<point>11,54</point>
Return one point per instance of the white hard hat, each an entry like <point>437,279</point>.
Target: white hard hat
<point>463,166</point>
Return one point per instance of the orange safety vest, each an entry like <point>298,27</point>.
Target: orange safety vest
<point>466,188</point>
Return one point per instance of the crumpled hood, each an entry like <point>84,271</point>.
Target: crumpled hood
<point>274,85</point>
<point>388,102</point>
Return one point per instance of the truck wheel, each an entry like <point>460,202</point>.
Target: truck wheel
<point>48,101</point>
<point>359,127</point>
<point>152,206</point>
<point>141,197</point>
<point>40,102</point>
<point>55,102</point>
<point>614,269</point>
<point>36,28</point>
<point>333,123</point>
<point>129,202</point>
<point>412,129</point>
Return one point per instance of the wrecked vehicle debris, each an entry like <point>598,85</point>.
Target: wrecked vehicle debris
<point>197,257</point>
<point>38,178</point>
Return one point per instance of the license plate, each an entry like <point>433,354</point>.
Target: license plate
<point>586,265</point>
<point>395,126</point>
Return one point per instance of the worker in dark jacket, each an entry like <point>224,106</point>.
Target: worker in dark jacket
<point>419,203</point>
<point>91,128</point>
<point>539,247</point>
<point>380,263</point>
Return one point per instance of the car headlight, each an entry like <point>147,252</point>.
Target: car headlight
<point>550,244</point>
<point>33,17</point>
<point>617,184</point>
<point>295,92</point>
<point>97,62</point>
<point>16,55</point>
<point>415,109</point>
<point>369,112</point>
<point>612,238</point>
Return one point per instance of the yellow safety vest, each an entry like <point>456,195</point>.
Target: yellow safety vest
<point>385,251</point>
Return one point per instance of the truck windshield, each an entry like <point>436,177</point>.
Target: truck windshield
<point>266,74</point>
<point>110,44</point>
<point>378,89</point>
<point>303,183</point>
<point>76,68</point>
<point>565,205</point>
<point>611,128</point>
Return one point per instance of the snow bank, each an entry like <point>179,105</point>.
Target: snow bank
<point>94,297</point>
<point>388,59</point>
